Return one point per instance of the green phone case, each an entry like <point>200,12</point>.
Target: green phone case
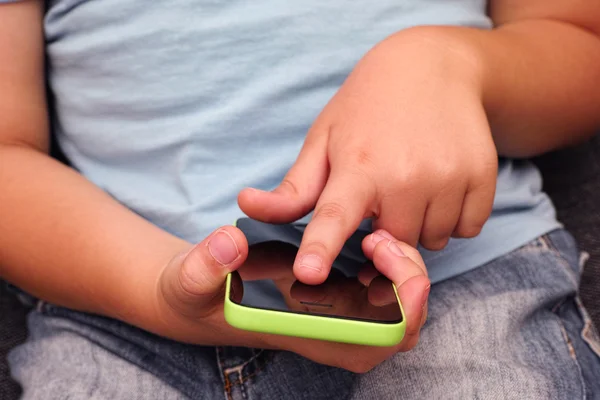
<point>313,326</point>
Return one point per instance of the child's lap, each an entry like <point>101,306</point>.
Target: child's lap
<point>509,329</point>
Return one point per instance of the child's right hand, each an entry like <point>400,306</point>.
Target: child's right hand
<point>188,301</point>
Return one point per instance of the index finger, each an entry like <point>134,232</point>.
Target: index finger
<point>343,204</point>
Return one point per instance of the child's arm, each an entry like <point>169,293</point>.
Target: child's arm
<point>541,71</point>
<point>61,238</point>
<point>412,137</point>
<point>65,241</point>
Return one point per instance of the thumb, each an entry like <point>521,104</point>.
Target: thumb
<point>193,282</point>
<point>299,191</point>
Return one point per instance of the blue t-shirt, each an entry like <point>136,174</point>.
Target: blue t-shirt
<point>173,107</point>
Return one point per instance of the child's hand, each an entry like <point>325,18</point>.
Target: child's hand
<point>189,299</point>
<point>405,141</point>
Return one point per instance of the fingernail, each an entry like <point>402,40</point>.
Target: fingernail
<point>222,248</point>
<point>385,234</point>
<point>312,261</point>
<point>376,238</point>
<point>395,249</point>
<point>425,297</point>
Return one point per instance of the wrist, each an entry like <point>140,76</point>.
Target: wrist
<point>134,298</point>
<point>157,316</point>
<point>451,55</point>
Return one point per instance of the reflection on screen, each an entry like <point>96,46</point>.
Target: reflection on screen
<point>267,281</point>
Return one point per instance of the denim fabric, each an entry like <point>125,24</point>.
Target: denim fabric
<point>511,329</point>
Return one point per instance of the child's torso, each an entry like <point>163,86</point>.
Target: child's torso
<point>173,107</point>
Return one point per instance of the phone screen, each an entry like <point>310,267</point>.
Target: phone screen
<point>267,281</point>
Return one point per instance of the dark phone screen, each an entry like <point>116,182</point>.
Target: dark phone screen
<point>353,290</point>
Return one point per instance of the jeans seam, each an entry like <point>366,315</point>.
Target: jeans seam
<point>226,382</point>
<point>227,372</point>
<point>549,244</point>
<point>569,344</point>
<point>588,332</point>
<point>40,306</point>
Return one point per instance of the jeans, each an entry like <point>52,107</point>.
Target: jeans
<point>511,329</point>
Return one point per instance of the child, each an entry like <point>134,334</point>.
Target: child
<point>417,113</point>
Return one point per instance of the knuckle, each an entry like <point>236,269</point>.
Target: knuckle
<point>406,177</point>
<point>189,285</point>
<point>411,180</point>
<point>447,169</point>
<point>360,165</point>
<point>485,172</point>
<point>482,184</point>
<point>331,210</point>
<point>415,256</point>
<point>194,276</point>
<point>288,185</point>
<point>448,183</point>
<point>361,157</point>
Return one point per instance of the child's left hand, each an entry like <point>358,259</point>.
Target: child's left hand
<point>406,141</point>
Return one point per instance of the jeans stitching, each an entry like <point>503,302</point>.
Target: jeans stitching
<point>245,363</point>
<point>588,333</point>
<point>258,358</point>
<point>535,244</point>
<point>258,367</point>
<point>221,365</point>
<point>544,243</point>
<point>572,275</point>
<point>569,343</point>
<point>40,306</point>
<point>231,383</point>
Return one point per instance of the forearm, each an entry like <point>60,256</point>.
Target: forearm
<point>541,87</point>
<point>66,241</point>
<point>539,80</point>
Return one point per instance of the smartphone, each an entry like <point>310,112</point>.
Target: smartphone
<point>354,305</point>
